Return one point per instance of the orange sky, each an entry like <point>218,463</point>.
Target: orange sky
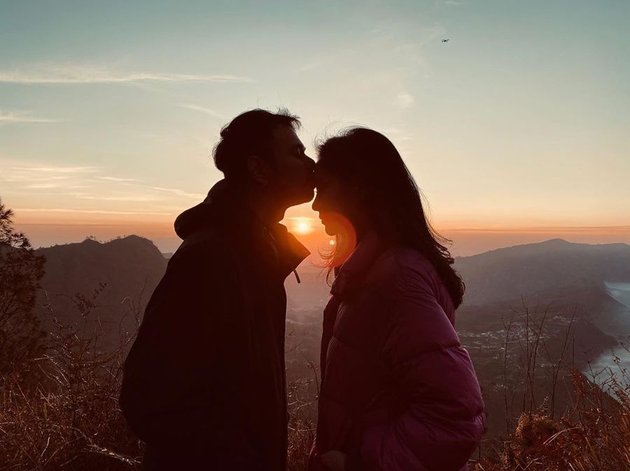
<point>520,135</point>
<point>466,240</point>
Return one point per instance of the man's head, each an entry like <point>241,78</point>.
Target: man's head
<point>261,150</point>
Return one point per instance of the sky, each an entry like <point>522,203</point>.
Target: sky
<point>516,129</point>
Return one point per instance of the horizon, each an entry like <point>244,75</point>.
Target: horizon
<point>108,113</point>
<point>465,241</point>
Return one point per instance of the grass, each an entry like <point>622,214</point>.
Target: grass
<point>60,411</point>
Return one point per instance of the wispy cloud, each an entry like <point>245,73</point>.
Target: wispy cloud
<point>44,175</point>
<point>69,181</point>
<point>398,135</point>
<point>202,109</point>
<point>178,192</point>
<point>42,186</point>
<point>138,198</point>
<point>118,179</point>
<point>57,170</point>
<point>133,183</point>
<point>39,174</point>
<point>404,100</point>
<point>68,75</point>
<point>23,118</point>
<point>87,211</point>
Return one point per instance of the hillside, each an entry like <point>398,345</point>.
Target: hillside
<point>556,279</point>
<point>535,269</point>
<point>112,281</point>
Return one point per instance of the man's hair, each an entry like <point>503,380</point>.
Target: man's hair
<point>248,134</point>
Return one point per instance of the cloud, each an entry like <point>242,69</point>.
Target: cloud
<point>23,118</point>
<point>141,198</point>
<point>68,75</point>
<point>404,100</point>
<point>88,211</point>
<point>178,192</point>
<point>62,179</point>
<point>202,109</point>
<point>118,179</point>
<point>42,186</point>
<point>57,170</point>
<point>397,135</point>
<point>142,186</point>
<point>43,174</point>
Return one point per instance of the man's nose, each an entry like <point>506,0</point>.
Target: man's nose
<point>315,204</point>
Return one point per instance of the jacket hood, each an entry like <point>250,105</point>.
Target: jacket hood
<point>223,207</point>
<point>205,213</point>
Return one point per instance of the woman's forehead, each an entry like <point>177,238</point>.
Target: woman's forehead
<point>322,176</point>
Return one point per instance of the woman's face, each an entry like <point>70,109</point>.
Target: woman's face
<point>335,202</point>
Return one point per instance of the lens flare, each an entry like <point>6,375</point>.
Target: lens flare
<point>302,225</point>
<point>346,237</point>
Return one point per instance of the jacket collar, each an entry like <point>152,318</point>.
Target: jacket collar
<point>354,270</point>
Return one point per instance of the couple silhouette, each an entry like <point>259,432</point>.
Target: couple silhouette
<point>204,383</point>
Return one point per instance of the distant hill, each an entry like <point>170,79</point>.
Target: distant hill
<point>560,277</point>
<point>529,270</point>
<point>118,277</point>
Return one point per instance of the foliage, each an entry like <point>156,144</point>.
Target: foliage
<point>594,434</point>
<point>70,419</point>
<point>20,272</point>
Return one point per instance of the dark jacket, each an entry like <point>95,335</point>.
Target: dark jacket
<point>204,383</point>
<point>398,390</point>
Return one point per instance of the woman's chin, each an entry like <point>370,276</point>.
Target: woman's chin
<point>330,230</point>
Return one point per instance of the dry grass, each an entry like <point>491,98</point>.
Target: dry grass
<point>60,411</point>
<point>591,434</point>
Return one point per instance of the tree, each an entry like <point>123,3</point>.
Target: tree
<point>20,272</point>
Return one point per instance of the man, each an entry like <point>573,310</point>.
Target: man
<point>204,383</point>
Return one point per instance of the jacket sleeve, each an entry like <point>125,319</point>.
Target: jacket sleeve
<point>437,423</point>
<point>167,374</point>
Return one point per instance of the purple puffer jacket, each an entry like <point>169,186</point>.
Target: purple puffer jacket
<point>399,392</point>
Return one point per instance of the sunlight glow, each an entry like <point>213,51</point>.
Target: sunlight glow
<point>303,225</point>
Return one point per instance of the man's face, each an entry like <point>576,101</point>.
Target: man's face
<point>293,177</point>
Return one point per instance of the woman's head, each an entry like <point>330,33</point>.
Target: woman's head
<point>363,186</point>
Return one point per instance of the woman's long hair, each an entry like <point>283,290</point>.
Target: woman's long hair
<point>365,159</point>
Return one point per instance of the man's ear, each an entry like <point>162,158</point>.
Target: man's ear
<point>258,170</point>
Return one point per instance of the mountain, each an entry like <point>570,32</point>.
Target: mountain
<point>98,286</point>
<point>529,270</point>
<point>103,287</point>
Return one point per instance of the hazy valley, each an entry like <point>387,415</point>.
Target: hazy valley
<point>570,295</point>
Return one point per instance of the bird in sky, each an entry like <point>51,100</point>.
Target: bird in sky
<point>446,40</point>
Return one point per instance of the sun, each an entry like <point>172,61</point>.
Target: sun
<point>302,225</point>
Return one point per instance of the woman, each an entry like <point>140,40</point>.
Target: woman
<point>398,391</point>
